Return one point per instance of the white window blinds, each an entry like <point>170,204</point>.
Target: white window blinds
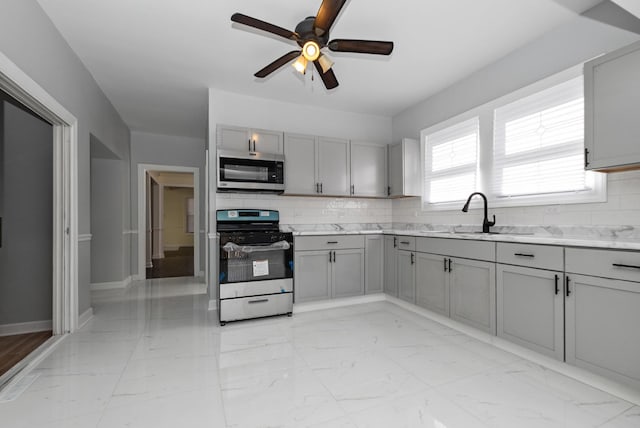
<point>451,156</point>
<point>538,143</point>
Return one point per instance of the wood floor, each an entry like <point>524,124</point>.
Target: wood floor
<point>14,348</point>
<point>174,263</point>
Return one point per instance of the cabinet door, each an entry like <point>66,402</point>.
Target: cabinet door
<point>348,273</point>
<point>612,99</point>
<point>368,169</point>
<point>395,170</point>
<point>602,320</point>
<point>300,165</point>
<point>234,138</point>
<point>333,166</point>
<point>473,293</point>
<point>267,141</point>
<point>406,276</point>
<point>374,264</point>
<point>432,283</point>
<point>312,276</point>
<point>531,308</point>
<point>390,271</point>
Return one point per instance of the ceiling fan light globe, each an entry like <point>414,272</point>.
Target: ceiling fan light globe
<point>325,63</point>
<point>300,64</point>
<point>311,50</point>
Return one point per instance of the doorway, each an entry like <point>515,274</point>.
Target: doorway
<point>26,231</point>
<point>168,221</point>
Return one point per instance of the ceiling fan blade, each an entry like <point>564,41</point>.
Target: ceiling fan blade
<point>283,60</point>
<point>329,78</point>
<point>361,46</point>
<point>264,26</point>
<point>327,14</point>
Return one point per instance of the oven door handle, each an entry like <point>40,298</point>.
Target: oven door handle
<point>280,245</point>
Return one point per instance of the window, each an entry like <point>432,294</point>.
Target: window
<point>526,148</point>
<point>451,162</point>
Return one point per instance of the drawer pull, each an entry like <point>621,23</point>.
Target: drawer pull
<point>405,242</point>
<point>626,266</point>
<point>332,242</point>
<point>524,255</point>
<point>251,302</point>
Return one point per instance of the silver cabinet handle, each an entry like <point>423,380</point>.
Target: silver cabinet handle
<point>524,255</point>
<point>251,302</point>
<point>626,266</point>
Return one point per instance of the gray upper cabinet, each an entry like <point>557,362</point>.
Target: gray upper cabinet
<point>432,283</point>
<point>333,166</point>
<point>249,140</point>
<point>404,169</point>
<point>406,275</point>
<point>374,263</point>
<point>368,169</point>
<point>390,261</point>
<point>531,308</point>
<point>612,102</point>
<point>473,293</point>
<point>300,172</point>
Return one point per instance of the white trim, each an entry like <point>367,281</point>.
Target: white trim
<point>625,392</point>
<point>168,247</point>
<point>201,274</point>
<point>25,327</point>
<point>65,184</point>
<point>212,235</point>
<point>85,317</point>
<point>129,232</point>
<point>213,304</point>
<point>299,308</point>
<point>114,285</point>
<point>137,277</point>
<point>21,370</point>
<point>85,237</point>
<point>142,170</point>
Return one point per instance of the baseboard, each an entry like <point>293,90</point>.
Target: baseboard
<point>85,317</point>
<point>25,327</point>
<point>213,305</point>
<point>337,303</point>
<point>115,285</point>
<point>623,391</point>
<point>149,265</point>
<point>201,274</point>
<point>138,277</point>
<point>171,247</point>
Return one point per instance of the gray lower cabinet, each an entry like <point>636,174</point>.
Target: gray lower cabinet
<point>602,320</point>
<point>374,264</point>
<point>347,273</point>
<point>530,308</point>
<point>432,283</point>
<point>390,261</point>
<point>473,293</point>
<point>312,276</point>
<point>406,275</point>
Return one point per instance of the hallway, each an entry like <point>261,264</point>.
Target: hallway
<point>155,357</point>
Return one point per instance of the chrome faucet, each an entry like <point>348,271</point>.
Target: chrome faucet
<point>486,224</point>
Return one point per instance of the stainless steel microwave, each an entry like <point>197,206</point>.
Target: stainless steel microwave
<point>250,171</point>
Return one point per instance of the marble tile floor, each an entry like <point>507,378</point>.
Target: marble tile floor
<point>154,356</point>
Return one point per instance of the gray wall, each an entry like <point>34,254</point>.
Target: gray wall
<point>166,150</point>
<point>26,207</point>
<point>30,40</point>
<point>563,48</point>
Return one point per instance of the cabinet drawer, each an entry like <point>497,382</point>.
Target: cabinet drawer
<point>407,243</point>
<point>328,242</point>
<point>604,263</point>
<point>463,248</point>
<point>254,307</point>
<point>535,256</point>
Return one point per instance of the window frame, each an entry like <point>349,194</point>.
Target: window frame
<point>485,173</point>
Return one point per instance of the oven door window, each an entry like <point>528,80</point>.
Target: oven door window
<point>248,170</point>
<point>255,263</point>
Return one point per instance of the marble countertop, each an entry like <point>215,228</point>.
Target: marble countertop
<point>621,237</point>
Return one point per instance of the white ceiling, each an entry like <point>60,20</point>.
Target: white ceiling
<point>155,59</point>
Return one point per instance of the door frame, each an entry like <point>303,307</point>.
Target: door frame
<point>143,168</point>
<point>20,86</point>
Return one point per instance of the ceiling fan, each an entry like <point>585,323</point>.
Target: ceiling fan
<point>312,34</point>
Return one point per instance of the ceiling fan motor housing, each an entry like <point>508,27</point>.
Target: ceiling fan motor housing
<point>305,30</point>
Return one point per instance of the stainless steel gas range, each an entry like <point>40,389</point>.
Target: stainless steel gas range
<point>255,265</point>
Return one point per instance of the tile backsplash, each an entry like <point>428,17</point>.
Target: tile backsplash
<point>312,210</point>
<point>621,208</point>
